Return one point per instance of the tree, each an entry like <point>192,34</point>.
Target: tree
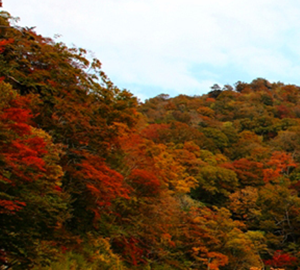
<point>281,259</point>
<point>249,173</point>
<point>243,204</point>
<point>214,184</point>
<point>219,139</point>
<point>32,203</point>
<point>278,166</point>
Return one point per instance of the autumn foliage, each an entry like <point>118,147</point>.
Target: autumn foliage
<point>281,259</point>
<point>93,179</point>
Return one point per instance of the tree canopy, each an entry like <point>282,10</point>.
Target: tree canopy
<point>93,179</point>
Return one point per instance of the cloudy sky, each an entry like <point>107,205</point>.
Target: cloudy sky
<point>175,46</point>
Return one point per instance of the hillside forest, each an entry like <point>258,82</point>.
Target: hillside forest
<point>92,178</point>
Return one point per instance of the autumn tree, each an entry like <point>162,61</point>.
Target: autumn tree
<point>32,203</point>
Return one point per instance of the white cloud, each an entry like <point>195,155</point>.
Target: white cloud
<point>157,42</point>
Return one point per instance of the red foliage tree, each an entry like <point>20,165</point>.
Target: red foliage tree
<point>30,203</point>
<point>144,182</point>
<point>281,259</point>
<point>250,173</point>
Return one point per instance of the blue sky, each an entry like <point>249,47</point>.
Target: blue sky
<point>175,46</point>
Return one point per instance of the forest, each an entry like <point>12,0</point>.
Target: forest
<point>92,178</point>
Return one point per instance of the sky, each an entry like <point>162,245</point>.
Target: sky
<point>150,47</point>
